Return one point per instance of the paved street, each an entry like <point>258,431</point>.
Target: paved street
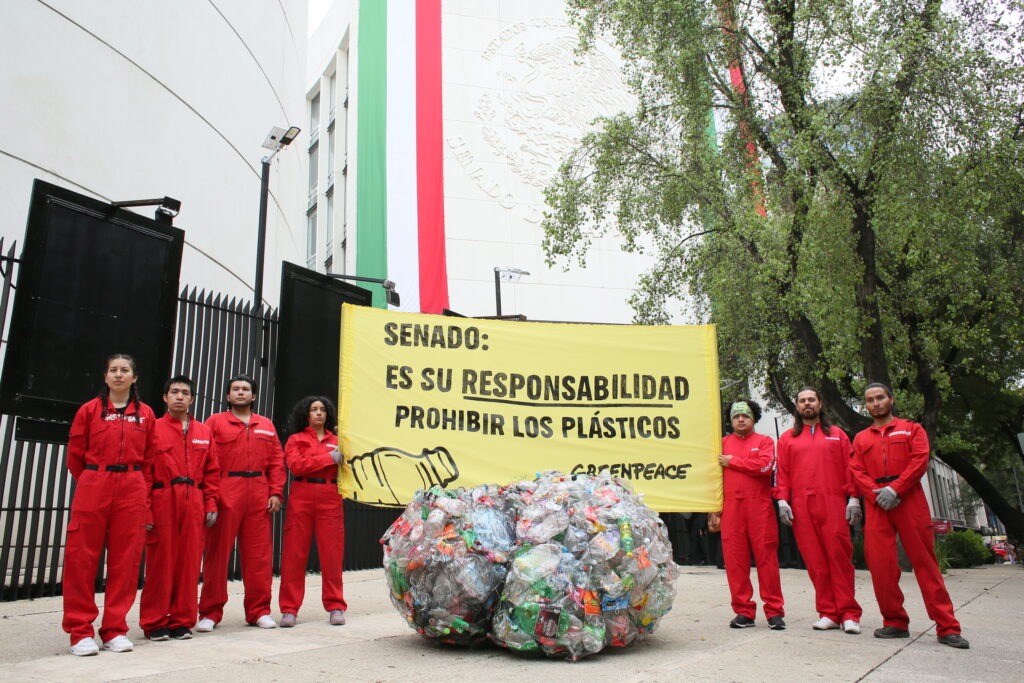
<point>693,642</point>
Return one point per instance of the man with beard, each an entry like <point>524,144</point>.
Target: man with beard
<point>815,492</point>
<point>251,484</point>
<point>748,518</point>
<point>889,459</point>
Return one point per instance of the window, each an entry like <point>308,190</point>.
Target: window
<point>311,238</point>
<point>329,222</point>
<point>314,118</point>
<point>332,92</point>
<point>330,157</point>
<point>314,171</point>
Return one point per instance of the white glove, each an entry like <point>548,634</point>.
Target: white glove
<point>335,456</point>
<point>785,513</point>
<point>886,498</point>
<point>853,512</point>
<point>211,518</point>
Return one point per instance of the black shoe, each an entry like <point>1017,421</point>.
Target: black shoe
<point>160,634</point>
<point>741,621</point>
<point>777,623</point>
<point>181,633</point>
<point>891,632</point>
<point>955,640</point>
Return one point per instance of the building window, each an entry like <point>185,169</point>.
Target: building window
<point>314,171</point>
<point>332,92</point>
<point>314,118</point>
<point>311,238</point>
<point>329,223</point>
<point>330,157</point>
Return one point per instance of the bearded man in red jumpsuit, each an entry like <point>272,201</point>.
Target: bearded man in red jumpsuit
<point>186,474</point>
<point>889,459</point>
<point>816,498</point>
<point>251,485</point>
<point>748,518</point>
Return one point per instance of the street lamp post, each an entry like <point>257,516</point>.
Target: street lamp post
<point>508,273</point>
<point>277,139</point>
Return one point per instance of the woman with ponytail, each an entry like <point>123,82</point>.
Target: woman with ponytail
<point>110,455</point>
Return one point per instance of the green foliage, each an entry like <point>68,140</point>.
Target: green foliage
<point>964,549</point>
<point>889,141</point>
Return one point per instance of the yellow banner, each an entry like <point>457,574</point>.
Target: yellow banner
<point>460,402</point>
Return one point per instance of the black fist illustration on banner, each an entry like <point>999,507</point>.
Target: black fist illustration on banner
<point>379,472</point>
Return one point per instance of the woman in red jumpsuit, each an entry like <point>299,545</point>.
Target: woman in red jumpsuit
<point>314,506</point>
<point>110,455</point>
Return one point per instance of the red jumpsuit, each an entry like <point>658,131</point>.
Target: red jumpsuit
<point>897,455</point>
<point>110,456</point>
<point>814,476</point>
<point>314,505</point>
<point>748,524</point>
<point>251,470</point>
<point>186,474</point>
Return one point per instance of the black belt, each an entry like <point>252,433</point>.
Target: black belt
<point>114,468</point>
<point>245,474</point>
<point>315,480</point>
<point>177,480</point>
<point>886,480</point>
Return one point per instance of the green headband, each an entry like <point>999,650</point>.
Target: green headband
<point>741,408</point>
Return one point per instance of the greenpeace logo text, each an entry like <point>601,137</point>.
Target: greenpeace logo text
<point>902,433</point>
<point>201,442</point>
<point>263,431</point>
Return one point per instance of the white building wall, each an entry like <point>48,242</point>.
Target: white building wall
<point>515,103</point>
<point>124,99</point>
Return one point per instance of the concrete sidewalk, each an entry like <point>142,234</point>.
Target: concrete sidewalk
<point>692,643</point>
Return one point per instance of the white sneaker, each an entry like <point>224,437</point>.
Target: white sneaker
<point>205,625</point>
<point>266,621</point>
<point>118,644</point>
<point>851,626</point>
<point>84,648</point>
<point>824,624</point>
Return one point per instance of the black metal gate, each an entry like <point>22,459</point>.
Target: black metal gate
<point>217,336</point>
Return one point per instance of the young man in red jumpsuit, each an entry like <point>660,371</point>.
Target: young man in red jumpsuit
<point>186,474</point>
<point>816,498</point>
<point>748,518</point>
<point>251,484</point>
<point>889,459</point>
<point>314,506</point>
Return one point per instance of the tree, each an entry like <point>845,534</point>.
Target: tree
<point>855,214</point>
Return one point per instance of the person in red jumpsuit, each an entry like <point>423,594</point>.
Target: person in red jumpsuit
<point>186,474</point>
<point>816,497</point>
<point>748,519</point>
<point>110,455</point>
<point>251,485</point>
<point>889,459</point>
<point>314,506</point>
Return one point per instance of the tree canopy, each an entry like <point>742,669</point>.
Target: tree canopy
<point>839,186</point>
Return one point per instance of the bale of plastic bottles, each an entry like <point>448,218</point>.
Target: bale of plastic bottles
<point>563,565</point>
<point>446,558</point>
<point>593,568</point>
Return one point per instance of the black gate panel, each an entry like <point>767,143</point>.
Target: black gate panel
<point>309,336</point>
<point>94,280</point>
